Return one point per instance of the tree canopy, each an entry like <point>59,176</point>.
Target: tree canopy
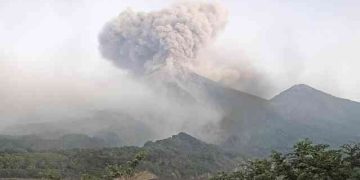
<point>307,161</point>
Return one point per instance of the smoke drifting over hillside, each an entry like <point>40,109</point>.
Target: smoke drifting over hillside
<point>142,42</point>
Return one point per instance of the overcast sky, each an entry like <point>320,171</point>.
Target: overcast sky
<point>315,42</point>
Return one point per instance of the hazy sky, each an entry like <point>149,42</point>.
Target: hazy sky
<point>54,42</point>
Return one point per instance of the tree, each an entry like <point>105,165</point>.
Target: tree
<point>307,161</point>
<point>125,171</point>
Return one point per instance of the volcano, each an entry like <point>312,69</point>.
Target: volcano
<point>249,124</point>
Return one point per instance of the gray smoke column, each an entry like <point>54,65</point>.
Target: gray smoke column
<point>143,42</point>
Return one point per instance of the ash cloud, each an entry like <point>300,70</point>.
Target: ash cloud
<point>143,42</point>
<point>233,69</point>
<point>179,36</point>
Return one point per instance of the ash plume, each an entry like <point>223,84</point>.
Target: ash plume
<point>143,42</point>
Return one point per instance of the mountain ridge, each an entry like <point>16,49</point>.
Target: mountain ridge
<point>304,88</point>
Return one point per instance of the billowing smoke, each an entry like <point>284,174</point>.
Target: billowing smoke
<point>142,42</point>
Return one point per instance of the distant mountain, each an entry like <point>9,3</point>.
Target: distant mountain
<point>183,156</point>
<point>297,113</point>
<point>181,142</point>
<point>305,104</point>
<point>335,119</point>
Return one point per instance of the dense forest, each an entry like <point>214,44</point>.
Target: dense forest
<point>178,157</point>
<point>184,157</point>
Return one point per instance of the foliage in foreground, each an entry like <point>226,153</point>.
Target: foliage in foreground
<point>308,161</point>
